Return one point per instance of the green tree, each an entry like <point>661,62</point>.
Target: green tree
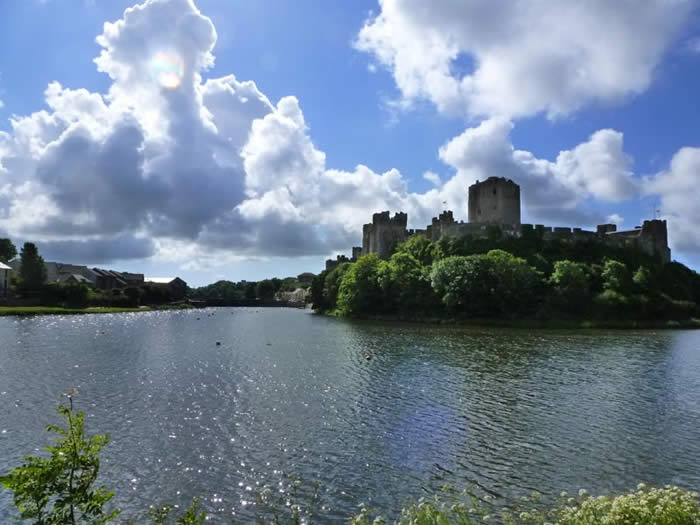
<point>7,250</point>
<point>490,284</point>
<point>59,490</point>
<point>250,291</point>
<point>570,283</point>
<point>133,295</point>
<point>514,283</point>
<point>331,286</point>
<point>359,291</point>
<point>642,279</point>
<point>405,283</point>
<point>265,289</point>
<point>33,270</point>
<point>616,277</point>
<point>462,283</point>
<point>419,247</point>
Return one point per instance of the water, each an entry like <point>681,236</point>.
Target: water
<point>289,392</point>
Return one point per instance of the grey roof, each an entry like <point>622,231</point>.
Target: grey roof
<point>80,278</point>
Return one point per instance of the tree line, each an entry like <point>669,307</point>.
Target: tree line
<point>229,292</point>
<point>501,276</point>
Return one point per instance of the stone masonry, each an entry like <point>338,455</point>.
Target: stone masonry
<point>496,202</point>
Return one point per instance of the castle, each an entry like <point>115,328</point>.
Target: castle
<point>496,202</point>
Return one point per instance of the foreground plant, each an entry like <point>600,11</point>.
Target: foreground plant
<point>59,489</point>
<point>669,505</point>
<point>162,515</point>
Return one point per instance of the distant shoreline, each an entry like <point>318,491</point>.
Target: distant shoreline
<point>25,311</point>
<point>569,324</point>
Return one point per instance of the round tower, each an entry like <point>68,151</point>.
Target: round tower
<point>494,201</point>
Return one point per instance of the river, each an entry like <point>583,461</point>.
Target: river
<point>288,392</point>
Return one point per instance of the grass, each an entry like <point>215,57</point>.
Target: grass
<point>57,310</point>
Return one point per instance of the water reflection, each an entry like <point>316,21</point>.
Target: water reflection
<point>510,410</point>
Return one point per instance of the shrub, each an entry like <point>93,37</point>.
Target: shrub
<point>59,489</point>
<point>359,290</point>
<point>645,506</point>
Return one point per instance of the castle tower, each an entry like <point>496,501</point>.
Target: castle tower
<point>495,201</point>
<point>384,233</point>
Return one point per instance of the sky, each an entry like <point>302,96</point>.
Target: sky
<point>235,140</point>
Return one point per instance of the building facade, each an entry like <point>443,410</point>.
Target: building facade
<point>4,280</point>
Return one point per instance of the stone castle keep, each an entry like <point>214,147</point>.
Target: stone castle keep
<point>496,202</point>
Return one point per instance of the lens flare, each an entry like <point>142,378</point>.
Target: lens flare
<point>167,68</point>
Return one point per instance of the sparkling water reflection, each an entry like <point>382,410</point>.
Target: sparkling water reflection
<point>289,392</point>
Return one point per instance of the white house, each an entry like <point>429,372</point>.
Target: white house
<point>4,279</point>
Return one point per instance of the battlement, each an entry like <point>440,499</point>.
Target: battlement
<point>495,202</point>
<point>399,219</point>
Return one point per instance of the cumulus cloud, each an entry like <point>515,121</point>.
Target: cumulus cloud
<point>432,178</point>
<point>679,194</point>
<point>98,251</point>
<point>520,57</point>
<point>551,191</point>
<point>170,164</point>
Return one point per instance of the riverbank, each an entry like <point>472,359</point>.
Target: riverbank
<point>58,310</point>
<point>529,323</point>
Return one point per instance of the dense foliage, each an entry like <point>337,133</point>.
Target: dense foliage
<point>510,277</point>
<point>228,292</point>
<point>8,251</point>
<point>33,272</point>
<point>645,506</point>
<point>60,489</point>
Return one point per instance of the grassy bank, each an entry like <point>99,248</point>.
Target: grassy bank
<point>58,310</point>
<point>570,324</point>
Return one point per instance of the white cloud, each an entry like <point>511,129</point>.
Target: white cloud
<point>519,57</point>
<point>432,178</point>
<point>679,193</point>
<point>550,190</point>
<point>203,171</point>
<point>614,219</point>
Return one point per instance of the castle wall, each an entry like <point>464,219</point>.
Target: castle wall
<point>651,238</point>
<point>495,201</point>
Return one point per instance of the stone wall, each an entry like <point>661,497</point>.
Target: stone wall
<point>384,233</point>
<point>496,202</point>
<point>651,238</point>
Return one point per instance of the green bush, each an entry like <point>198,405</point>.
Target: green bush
<point>360,292</point>
<point>60,489</point>
<point>645,506</point>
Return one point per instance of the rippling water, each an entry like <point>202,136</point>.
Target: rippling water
<point>290,392</point>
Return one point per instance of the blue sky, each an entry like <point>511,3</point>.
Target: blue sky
<point>368,84</point>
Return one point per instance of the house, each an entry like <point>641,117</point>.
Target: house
<point>176,286</point>
<point>74,278</point>
<point>61,272</point>
<point>108,279</point>
<point>4,279</point>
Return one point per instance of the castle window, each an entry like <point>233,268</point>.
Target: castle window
<point>494,191</point>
